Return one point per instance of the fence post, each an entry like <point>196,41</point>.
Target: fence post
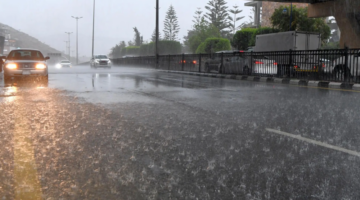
<point>199,63</point>
<point>251,63</point>
<point>169,63</point>
<point>182,62</point>
<point>290,62</point>
<point>346,76</point>
<point>222,63</point>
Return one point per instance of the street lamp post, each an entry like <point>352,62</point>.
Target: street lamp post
<point>92,52</point>
<point>291,13</point>
<point>157,33</point>
<point>66,46</point>
<point>77,39</point>
<point>69,33</point>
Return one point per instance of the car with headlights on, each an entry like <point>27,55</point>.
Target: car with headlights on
<point>25,63</point>
<point>63,64</point>
<point>100,61</point>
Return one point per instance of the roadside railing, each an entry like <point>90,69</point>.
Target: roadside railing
<point>340,65</point>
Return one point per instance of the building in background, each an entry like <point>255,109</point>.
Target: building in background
<point>268,9</point>
<point>263,10</point>
<point>257,7</point>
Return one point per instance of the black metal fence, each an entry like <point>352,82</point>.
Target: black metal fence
<point>340,65</point>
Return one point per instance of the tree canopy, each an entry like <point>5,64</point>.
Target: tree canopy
<point>171,26</point>
<point>300,21</point>
<point>217,14</point>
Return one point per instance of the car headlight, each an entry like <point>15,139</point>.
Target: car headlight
<point>58,66</point>
<point>11,66</point>
<point>96,61</point>
<point>40,66</point>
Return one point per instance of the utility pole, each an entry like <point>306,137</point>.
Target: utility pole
<point>157,34</point>
<point>93,31</point>
<point>66,46</point>
<point>290,16</point>
<point>77,39</point>
<point>69,33</point>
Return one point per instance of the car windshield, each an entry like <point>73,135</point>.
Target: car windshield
<point>65,61</point>
<point>101,57</point>
<point>25,55</point>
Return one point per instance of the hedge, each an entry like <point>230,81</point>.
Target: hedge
<point>165,47</point>
<point>132,50</point>
<point>212,45</point>
<point>243,37</point>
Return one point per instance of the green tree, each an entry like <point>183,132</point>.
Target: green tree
<point>212,45</point>
<point>201,34</point>
<point>171,26</point>
<point>217,14</point>
<point>235,12</point>
<point>131,43</point>
<point>243,37</point>
<point>138,39</point>
<point>165,47</point>
<point>153,36</point>
<point>198,21</point>
<point>198,18</point>
<point>132,50</point>
<point>300,22</point>
<point>116,51</point>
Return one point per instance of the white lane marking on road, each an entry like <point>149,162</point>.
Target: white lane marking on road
<point>299,137</point>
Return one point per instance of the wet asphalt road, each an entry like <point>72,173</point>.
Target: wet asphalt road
<point>136,133</point>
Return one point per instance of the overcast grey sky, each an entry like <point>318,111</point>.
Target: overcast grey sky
<point>48,20</point>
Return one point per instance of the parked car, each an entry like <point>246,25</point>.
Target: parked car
<point>25,62</point>
<point>214,63</point>
<point>99,61</point>
<point>237,63</point>
<point>341,71</point>
<point>259,64</point>
<point>63,63</point>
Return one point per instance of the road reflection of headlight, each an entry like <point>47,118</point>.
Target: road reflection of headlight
<point>58,66</point>
<point>40,66</point>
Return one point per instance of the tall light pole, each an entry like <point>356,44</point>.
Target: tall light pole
<point>66,46</point>
<point>69,33</point>
<point>291,15</point>
<point>157,33</point>
<point>77,39</point>
<point>93,31</point>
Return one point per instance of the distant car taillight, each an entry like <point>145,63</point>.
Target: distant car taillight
<point>259,62</point>
<point>323,65</point>
<point>275,63</point>
<point>194,62</point>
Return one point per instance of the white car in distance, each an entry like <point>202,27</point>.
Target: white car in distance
<point>63,64</point>
<point>100,61</point>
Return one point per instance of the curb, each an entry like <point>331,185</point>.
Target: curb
<point>320,84</point>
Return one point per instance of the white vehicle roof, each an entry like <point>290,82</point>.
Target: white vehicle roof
<point>26,49</point>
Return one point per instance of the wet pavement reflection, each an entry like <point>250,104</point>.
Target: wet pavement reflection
<point>137,133</point>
